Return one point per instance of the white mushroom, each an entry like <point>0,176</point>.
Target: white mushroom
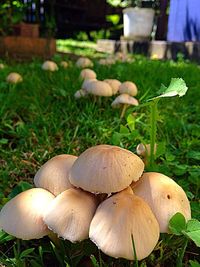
<point>70,214</point>
<point>87,74</point>
<point>123,101</point>
<point>49,66</point>
<point>114,84</point>
<point>105,169</point>
<point>164,196</point>
<point>22,216</point>
<point>53,175</point>
<point>14,77</point>
<point>128,88</point>
<point>84,62</point>
<point>120,218</point>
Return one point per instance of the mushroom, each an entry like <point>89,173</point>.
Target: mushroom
<point>22,216</point>
<point>86,83</point>
<point>128,88</point>
<point>114,84</point>
<point>53,175</point>
<point>2,66</point>
<point>121,218</point>
<point>105,169</point>
<point>164,196</point>
<point>84,62</point>
<point>80,93</point>
<point>14,77</point>
<point>64,64</point>
<point>99,88</point>
<point>124,100</point>
<point>50,66</point>
<point>143,150</point>
<point>87,74</point>
<point>70,214</point>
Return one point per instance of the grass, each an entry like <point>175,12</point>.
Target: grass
<point>40,119</point>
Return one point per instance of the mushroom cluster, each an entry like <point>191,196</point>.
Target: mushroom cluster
<point>103,195</point>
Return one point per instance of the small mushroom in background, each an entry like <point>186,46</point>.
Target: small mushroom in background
<point>123,101</point>
<point>49,66</point>
<point>53,175</point>
<point>164,196</point>
<point>64,64</point>
<point>105,169</point>
<point>118,219</point>
<point>87,74</point>
<point>70,214</point>
<point>107,61</point>
<point>128,88</point>
<point>22,216</point>
<point>114,84</point>
<point>143,150</point>
<point>2,66</point>
<point>84,62</point>
<point>14,77</point>
<point>99,88</point>
<point>80,93</point>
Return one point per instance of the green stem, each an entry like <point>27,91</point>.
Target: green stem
<point>179,262</point>
<point>153,130</point>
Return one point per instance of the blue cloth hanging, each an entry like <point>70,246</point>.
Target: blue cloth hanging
<point>184,21</point>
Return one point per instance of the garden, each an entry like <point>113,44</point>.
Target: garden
<point>99,155</point>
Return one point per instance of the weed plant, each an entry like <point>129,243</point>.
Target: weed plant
<point>40,118</point>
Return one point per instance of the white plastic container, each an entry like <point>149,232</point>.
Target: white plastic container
<point>138,23</point>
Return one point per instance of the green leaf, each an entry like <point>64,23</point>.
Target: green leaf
<point>26,252</point>
<point>177,224</point>
<point>194,263</point>
<point>131,122</point>
<point>193,231</point>
<point>177,86</point>
<point>22,186</point>
<point>124,130</point>
<point>193,155</point>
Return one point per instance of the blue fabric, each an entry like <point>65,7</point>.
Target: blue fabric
<point>184,21</point>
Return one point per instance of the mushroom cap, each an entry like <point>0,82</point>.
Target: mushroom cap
<point>2,66</point>
<point>105,169</point>
<point>86,83</point>
<point>22,216</point>
<point>164,196</point>
<point>54,174</point>
<point>114,84</point>
<point>70,214</point>
<point>144,149</point>
<point>49,65</point>
<point>80,93</point>
<point>124,99</point>
<point>117,219</point>
<point>14,77</point>
<point>128,88</point>
<point>99,88</point>
<point>87,74</point>
<point>64,64</point>
<point>84,62</point>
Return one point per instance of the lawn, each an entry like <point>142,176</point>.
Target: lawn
<point>40,118</point>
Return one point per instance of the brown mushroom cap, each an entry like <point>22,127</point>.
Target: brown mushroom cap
<point>105,169</point>
<point>53,175</point>
<point>119,217</point>
<point>50,66</point>
<point>87,74</point>
<point>70,214</point>
<point>14,77</point>
<point>124,99</point>
<point>128,88</point>
<point>164,196</point>
<point>99,88</point>
<point>84,62</point>
<point>22,216</point>
<point>114,84</point>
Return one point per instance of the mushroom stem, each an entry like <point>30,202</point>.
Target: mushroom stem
<point>123,110</point>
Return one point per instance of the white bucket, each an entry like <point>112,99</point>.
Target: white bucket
<point>138,23</point>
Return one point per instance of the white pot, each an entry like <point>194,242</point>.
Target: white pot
<point>138,23</point>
